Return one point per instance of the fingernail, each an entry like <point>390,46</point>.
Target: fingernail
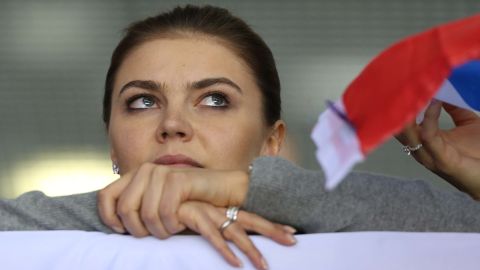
<point>289,229</point>
<point>264,264</point>
<point>435,102</point>
<point>118,229</point>
<point>239,263</point>
<point>291,239</point>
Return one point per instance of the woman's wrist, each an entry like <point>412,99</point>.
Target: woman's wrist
<point>466,183</point>
<point>239,193</point>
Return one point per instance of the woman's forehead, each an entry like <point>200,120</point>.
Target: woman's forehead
<point>181,60</point>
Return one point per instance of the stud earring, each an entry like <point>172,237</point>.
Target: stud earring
<point>115,169</point>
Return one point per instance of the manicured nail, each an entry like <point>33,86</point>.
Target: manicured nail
<point>289,229</point>
<point>239,263</point>
<point>264,264</point>
<point>118,229</point>
<point>291,239</point>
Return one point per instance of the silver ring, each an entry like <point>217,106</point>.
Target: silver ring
<point>232,215</point>
<point>410,149</point>
<point>227,223</point>
<point>232,212</point>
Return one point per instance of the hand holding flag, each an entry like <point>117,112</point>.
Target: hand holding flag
<point>452,154</point>
<point>443,62</point>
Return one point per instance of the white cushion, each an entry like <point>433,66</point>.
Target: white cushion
<point>362,250</point>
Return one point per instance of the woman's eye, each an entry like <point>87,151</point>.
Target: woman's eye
<point>215,100</point>
<point>142,102</point>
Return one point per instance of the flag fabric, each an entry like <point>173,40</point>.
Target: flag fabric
<point>462,88</point>
<point>441,63</point>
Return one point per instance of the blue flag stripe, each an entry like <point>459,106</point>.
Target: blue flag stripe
<point>466,80</point>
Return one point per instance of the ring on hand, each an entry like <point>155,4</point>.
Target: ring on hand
<point>410,149</point>
<point>232,215</point>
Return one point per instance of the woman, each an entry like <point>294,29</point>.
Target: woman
<point>192,98</point>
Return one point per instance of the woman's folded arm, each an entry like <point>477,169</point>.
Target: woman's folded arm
<point>285,193</point>
<point>36,211</point>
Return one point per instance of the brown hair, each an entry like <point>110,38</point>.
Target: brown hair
<point>210,21</point>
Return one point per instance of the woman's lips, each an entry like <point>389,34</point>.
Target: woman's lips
<point>177,161</point>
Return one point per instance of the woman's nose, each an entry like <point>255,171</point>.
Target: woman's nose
<point>174,126</point>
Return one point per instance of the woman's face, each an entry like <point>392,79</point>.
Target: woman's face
<point>188,101</point>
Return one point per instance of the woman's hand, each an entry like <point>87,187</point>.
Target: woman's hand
<point>452,154</point>
<point>153,198</point>
<point>154,193</point>
<point>205,219</point>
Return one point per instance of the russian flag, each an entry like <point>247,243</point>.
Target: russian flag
<point>441,63</point>
<point>462,88</point>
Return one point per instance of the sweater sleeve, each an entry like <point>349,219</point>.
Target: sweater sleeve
<point>285,193</point>
<point>36,211</point>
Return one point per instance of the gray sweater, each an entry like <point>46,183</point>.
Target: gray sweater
<point>285,193</point>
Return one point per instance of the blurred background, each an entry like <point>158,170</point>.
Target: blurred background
<point>54,56</point>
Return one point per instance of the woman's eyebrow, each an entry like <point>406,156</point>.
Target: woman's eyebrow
<point>212,81</point>
<point>147,85</point>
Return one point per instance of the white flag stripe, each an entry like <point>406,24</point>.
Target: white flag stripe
<point>447,93</point>
<point>338,148</point>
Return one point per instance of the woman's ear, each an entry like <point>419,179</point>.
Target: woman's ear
<point>274,141</point>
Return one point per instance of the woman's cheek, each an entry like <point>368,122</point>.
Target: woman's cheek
<point>130,147</point>
<point>235,146</point>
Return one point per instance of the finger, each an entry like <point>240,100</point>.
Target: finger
<point>150,213</point>
<point>175,191</point>
<point>277,232</point>
<point>408,134</point>
<point>239,237</point>
<point>107,203</point>
<point>459,115</point>
<point>220,188</point>
<point>432,140</point>
<point>197,220</point>
<point>429,126</point>
<point>129,203</point>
